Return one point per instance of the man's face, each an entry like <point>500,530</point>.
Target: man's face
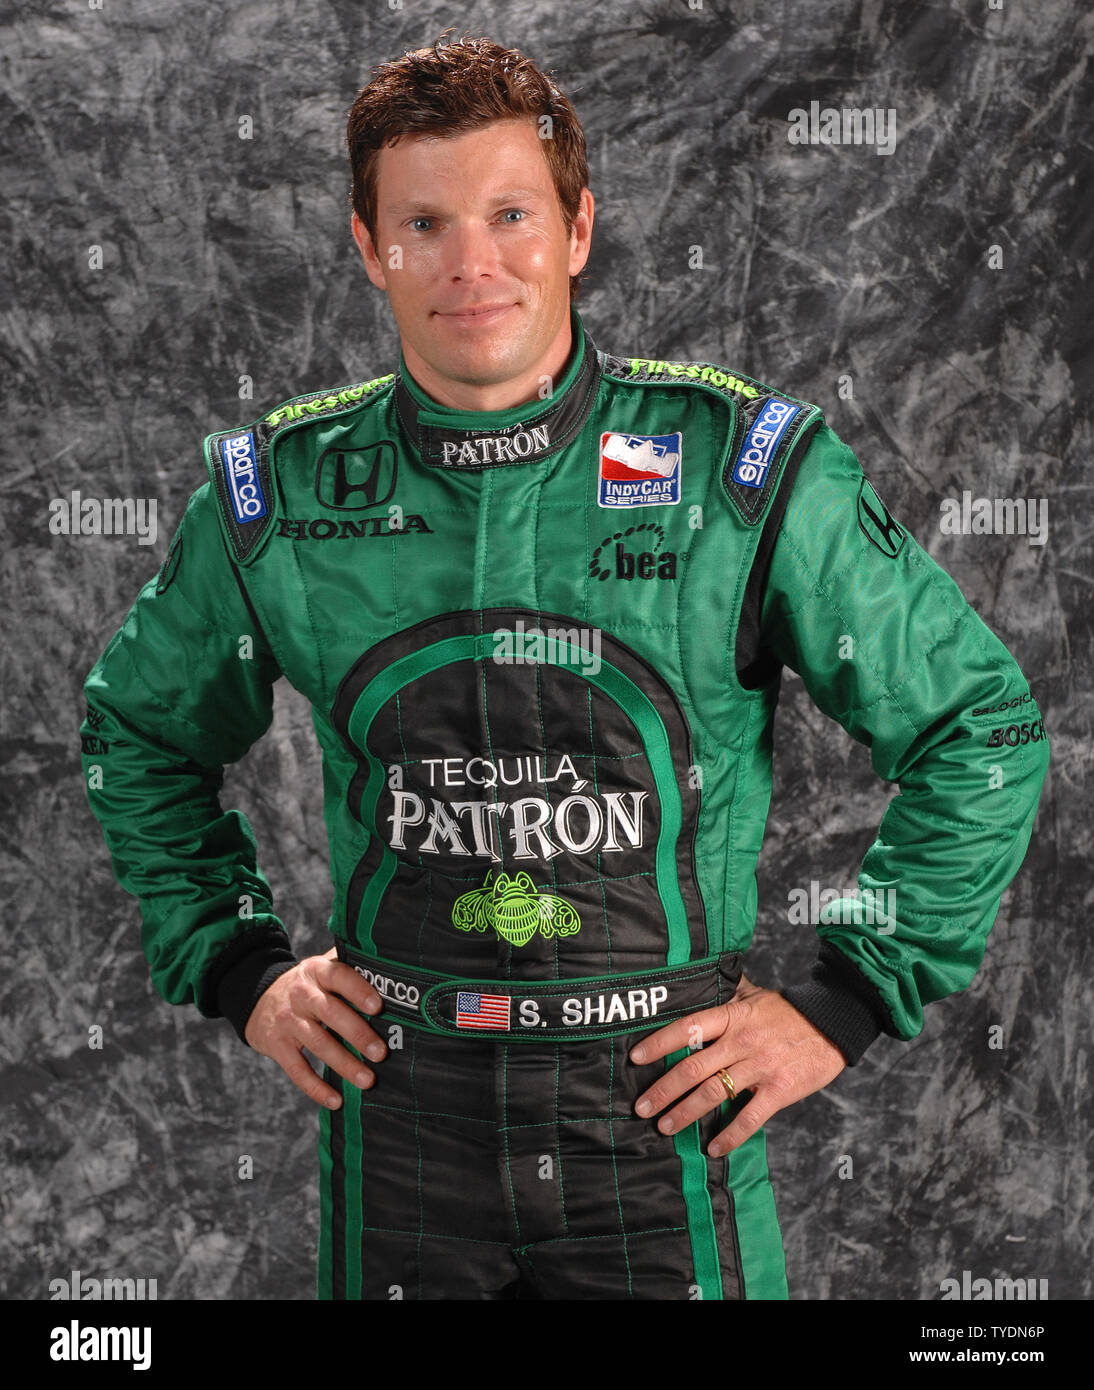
<point>472,251</point>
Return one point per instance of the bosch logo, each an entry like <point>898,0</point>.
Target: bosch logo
<point>1013,735</point>
<point>241,472</point>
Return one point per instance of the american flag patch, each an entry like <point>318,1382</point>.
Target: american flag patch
<point>482,1010</point>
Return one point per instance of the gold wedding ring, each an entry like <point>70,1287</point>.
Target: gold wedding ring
<point>727,1081</point>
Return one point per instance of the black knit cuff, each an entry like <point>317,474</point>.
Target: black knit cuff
<point>243,984</point>
<point>840,1003</point>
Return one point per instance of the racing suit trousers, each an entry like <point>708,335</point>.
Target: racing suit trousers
<point>475,1169</point>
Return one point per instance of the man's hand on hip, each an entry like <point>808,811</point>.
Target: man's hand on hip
<point>296,1012</point>
<point>761,1040</point>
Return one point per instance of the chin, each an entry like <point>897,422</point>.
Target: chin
<point>486,364</point>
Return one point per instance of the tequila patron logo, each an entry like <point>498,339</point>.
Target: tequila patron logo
<point>516,910</point>
<point>535,828</point>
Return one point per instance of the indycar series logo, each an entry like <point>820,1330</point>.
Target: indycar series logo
<point>639,470</point>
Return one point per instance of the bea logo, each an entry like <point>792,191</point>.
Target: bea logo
<point>625,563</point>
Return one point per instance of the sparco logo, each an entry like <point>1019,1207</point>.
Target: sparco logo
<point>497,448</point>
<point>622,563</point>
<point>397,991</point>
<point>241,471</point>
<point>763,439</point>
<point>1015,734</point>
<point>1006,704</point>
<point>324,529</point>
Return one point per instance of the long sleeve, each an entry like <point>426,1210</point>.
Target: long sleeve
<point>887,645</point>
<point>183,688</point>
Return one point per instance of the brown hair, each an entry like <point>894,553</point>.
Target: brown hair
<point>456,87</point>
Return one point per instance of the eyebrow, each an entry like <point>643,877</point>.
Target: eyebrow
<point>508,196</point>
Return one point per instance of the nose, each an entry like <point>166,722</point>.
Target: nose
<point>471,251</point>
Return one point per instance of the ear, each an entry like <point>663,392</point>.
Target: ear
<point>581,233</point>
<point>373,265</point>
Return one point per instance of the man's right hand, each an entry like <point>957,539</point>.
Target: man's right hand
<point>296,1011</point>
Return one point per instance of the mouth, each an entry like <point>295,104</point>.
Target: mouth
<point>477,314</point>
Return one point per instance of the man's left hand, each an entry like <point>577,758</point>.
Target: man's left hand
<point>760,1039</point>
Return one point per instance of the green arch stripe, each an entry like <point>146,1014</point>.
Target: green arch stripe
<point>618,687</point>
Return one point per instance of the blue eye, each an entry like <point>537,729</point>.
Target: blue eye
<point>415,220</point>
<point>518,211</point>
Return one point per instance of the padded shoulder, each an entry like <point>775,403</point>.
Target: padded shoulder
<point>240,465</point>
<point>765,427</point>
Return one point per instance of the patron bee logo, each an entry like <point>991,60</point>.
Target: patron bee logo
<point>351,480</point>
<point>516,910</point>
<point>241,470</point>
<point>639,470</point>
<point>761,442</point>
<point>622,563</point>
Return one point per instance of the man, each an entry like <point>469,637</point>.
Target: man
<point>539,597</point>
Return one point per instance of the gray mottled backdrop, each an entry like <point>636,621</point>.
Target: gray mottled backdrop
<point>934,299</point>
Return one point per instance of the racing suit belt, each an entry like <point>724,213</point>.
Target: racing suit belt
<point>538,1011</point>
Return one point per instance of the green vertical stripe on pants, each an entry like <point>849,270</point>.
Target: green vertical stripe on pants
<point>701,1232</point>
<point>758,1236</point>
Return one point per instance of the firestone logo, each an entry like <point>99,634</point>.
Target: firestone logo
<point>315,405</point>
<point>725,380</point>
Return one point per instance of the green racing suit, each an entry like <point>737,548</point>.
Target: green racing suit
<point>543,649</point>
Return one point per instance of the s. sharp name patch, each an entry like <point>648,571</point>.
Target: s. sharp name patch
<point>761,442</point>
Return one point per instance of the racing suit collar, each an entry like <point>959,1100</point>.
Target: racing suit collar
<point>463,439</point>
